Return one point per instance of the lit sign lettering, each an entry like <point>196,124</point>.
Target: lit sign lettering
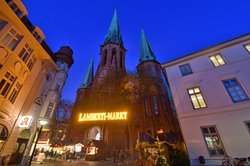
<point>103,116</point>
<point>25,121</point>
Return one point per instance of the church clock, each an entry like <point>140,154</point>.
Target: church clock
<point>103,73</point>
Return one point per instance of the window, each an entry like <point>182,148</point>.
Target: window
<point>248,47</point>
<point>49,109</point>
<point>185,69</point>
<point>113,57</point>
<point>156,108</point>
<point>15,92</point>
<point>164,105</point>
<point>217,60</point>
<point>58,86</point>
<point>197,98</point>
<point>6,83</point>
<point>11,39</point>
<point>25,53</point>
<point>247,123</point>
<point>14,7</point>
<point>2,24</point>
<point>213,141</point>
<point>235,90</point>
<point>146,105</point>
<point>31,62</point>
<point>105,57</point>
<point>121,57</point>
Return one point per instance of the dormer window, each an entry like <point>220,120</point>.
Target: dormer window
<point>18,7</point>
<point>38,34</point>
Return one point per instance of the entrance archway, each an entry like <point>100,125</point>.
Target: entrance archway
<point>95,133</point>
<point>20,146</point>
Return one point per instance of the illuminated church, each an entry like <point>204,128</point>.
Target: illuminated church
<point>118,109</point>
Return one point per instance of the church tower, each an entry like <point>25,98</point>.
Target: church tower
<point>100,113</point>
<point>112,60</point>
<point>156,115</point>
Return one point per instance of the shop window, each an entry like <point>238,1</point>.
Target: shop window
<point>217,60</point>
<point>49,109</point>
<point>2,24</point>
<point>185,69</point>
<point>6,83</point>
<point>3,135</point>
<point>247,47</point>
<point>15,92</point>
<point>156,107</point>
<point>235,90</point>
<point>25,53</point>
<point>11,39</point>
<point>213,141</point>
<point>197,98</point>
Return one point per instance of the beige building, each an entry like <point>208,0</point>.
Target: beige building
<point>31,80</point>
<point>211,91</point>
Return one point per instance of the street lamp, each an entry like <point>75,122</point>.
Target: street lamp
<point>42,123</point>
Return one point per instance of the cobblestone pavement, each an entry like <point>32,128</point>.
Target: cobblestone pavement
<point>81,163</point>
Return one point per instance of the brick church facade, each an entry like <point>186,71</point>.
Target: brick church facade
<point>117,108</point>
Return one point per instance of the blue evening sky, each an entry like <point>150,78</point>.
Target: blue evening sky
<point>174,28</point>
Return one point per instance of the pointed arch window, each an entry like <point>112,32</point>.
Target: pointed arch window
<point>164,105</point>
<point>121,59</point>
<point>113,57</point>
<point>105,57</point>
<point>156,107</point>
<point>146,105</point>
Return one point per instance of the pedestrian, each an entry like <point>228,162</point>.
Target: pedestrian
<point>121,157</point>
<point>115,155</point>
<point>127,156</point>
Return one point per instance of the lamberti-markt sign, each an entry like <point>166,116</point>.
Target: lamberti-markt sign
<point>103,116</point>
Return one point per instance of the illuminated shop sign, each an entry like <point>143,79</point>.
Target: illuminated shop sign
<point>103,116</point>
<point>25,121</point>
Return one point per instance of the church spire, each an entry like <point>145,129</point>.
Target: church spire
<point>146,53</point>
<point>114,34</point>
<point>88,79</point>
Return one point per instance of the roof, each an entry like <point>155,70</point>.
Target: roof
<point>114,34</point>
<point>146,53</point>
<point>208,50</point>
<point>89,76</point>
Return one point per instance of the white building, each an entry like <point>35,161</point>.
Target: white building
<point>211,92</point>
<point>31,80</point>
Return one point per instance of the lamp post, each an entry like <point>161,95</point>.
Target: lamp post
<point>42,123</point>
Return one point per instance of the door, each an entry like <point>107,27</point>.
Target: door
<point>19,148</point>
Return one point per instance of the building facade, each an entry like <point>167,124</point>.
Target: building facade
<point>211,90</point>
<point>31,80</point>
<point>110,106</point>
